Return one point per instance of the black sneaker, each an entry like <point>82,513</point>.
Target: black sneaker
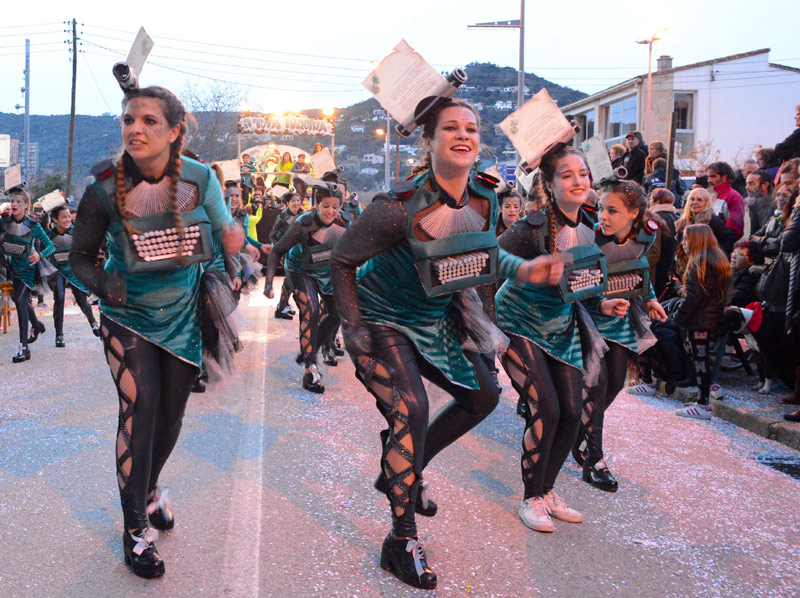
<point>22,354</point>
<point>60,341</point>
<point>35,332</point>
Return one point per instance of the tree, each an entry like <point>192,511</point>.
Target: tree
<point>50,182</point>
<point>215,106</point>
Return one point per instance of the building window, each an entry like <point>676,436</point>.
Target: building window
<point>622,118</point>
<point>684,112</point>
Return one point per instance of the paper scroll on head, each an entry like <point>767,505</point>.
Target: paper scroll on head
<point>13,176</point>
<point>403,79</point>
<point>596,153</point>
<point>52,200</point>
<point>322,162</point>
<point>536,127</point>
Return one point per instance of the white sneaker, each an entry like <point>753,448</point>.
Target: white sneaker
<point>643,390</point>
<point>560,510</point>
<point>533,512</point>
<point>716,392</point>
<point>695,411</point>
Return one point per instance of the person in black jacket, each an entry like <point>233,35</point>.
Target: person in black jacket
<point>747,265</point>
<point>285,219</point>
<point>635,157</point>
<point>706,292</point>
<point>790,147</point>
<point>698,210</point>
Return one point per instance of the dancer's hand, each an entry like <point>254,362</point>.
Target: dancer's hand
<point>34,257</point>
<point>615,307</point>
<point>252,252</point>
<point>656,311</point>
<point>266,248</point>
<point>232,238</point>
<point>237,283</point>
<point>545,270</point>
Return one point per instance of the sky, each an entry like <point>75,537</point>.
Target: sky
<point>317,58</point>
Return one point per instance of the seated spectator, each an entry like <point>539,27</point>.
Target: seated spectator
<point>658,179</point>
<point>662,204</point>
<point>790,147</point>
<point>768,236</point>
<point>760,206</point>
<point>655,151</point>
<point>616,153</point>
<point>634,158</point>
<point>765,157</point>
<point>720,176</point>
<point>739,182</point>
<point>747,266</point>
<point>698,211</point>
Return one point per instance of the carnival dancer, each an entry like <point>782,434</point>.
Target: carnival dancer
<point>432,237</point>
<point>555,348</point>
<point>625,233</point>
<point>158,212</point>
<point>308,243</point>
<point>18,233</point>
<point>61,237</point>
<point>283,222</point>
<point>250,269</point>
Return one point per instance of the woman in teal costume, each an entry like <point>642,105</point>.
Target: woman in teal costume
<point>149,319</point>
<point>18,233</point>
<point>61,237</point>
<point>307,245</point>
<point>399,328</point>
<point>555,348</point>
<point>625,232</point>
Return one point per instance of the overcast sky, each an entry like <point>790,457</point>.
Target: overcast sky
<point>313,54</point>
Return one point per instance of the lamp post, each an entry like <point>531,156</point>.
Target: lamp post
<point>329,112</point>
<point>649,42</point>
<point>385,133</point>
<point>515,24</point>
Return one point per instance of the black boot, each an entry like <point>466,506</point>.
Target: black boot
<point>159,511</point>
<point>329,357</point>
<point>141,555</point>
<point>423,505</point>
<point>596,473</point>
<point>405,558</point>
<point>60,341</point>
<point>312,381</point>
<point>22,354</point>
<point>35,332</point>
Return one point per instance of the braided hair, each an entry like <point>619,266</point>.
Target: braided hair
<point>545,198</point>
<point>175,114</point>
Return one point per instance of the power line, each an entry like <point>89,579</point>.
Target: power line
<point>100,91</point>
<point>32,25</point>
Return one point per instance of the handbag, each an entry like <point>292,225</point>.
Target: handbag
<point>773,286</point>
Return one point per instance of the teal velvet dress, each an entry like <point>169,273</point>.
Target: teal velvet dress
<point>60,258</point>
<point>15,235</point>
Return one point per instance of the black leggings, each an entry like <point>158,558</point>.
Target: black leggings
<point>551,394</point>
<point>286,291</point>
<point>613,371</point>
<point>58,284</point>
<point>25,311</point>
<point>153,386</point>
<point>393,375</point>
<point>697,343</point>
<point>316,329</point>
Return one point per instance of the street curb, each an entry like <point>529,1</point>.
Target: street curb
<point>763,422</point>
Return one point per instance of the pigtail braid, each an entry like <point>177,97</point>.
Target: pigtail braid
<point>175,167</point>
<point>551,220</point>
<point>121,194</point>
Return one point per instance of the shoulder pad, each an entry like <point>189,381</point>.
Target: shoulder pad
<point>536,219</point>
<point>346,216</point>
<point>486,179</point>
<point>592,210</point>
<point>102,170</point>
<point>403,189</point>
<point>306,218</point>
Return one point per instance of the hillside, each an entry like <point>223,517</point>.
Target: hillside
<point>98,137</point>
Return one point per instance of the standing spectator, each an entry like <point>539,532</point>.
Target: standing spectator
<point>790,147</point>
<point>769,235</point>
<point>635,157</point>
<point>698,211</point>
<point>662,204</point>
<point>790,244</point>
<point>760,206</point>
<point>286,166</point>
<point>720,175</point>
<point>301,167</point>
<point>655,151</point>
<point>616,154</point>
<point>789,175</point>
<point>765,157</point>
<point>749,166</point>
<point>658,179</point>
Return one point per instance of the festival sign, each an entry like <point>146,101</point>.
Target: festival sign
<point>285,124</point>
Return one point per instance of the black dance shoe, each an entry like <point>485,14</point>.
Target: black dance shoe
<point>496,381</point>
<point>22,354</point>
<point>405,557</point>
<point>198,386</point>
<point>423,505</point>
<point>60,341</point>
<point>96,328</point>
<point>299,358</point>
<point>792,417</point>
<point>596,473</point>
<point>283,314</point>
<point>337,348</point>
<point>159,510</point>
<point>141,554</point>
<point>579,449</point>
<point>311,381</point>
<point>35,332</point>
<point>329,357</point>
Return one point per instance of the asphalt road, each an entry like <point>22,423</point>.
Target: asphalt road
<point>272,491</point>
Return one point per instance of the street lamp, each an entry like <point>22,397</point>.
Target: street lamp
<point>515,24</point>
<point>329,112</point>
<point>649,42</point>
<point>385,133</point>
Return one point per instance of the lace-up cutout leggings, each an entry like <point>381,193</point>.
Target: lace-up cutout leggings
<point>393,375</point>
<point>25,312</point>
<point>316,328</point>
<point>153,386</point>
<point>550,398</point>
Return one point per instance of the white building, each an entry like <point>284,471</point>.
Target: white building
<point>357,128</point>
<point>726,108</point>
<point>369,170</point>
<point>372,158</point>
<point>503,104</point>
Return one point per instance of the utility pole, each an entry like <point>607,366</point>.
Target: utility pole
<point>27,122</point>
<point>68,190</point>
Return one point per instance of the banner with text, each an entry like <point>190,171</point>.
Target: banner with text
<point>290,124</point>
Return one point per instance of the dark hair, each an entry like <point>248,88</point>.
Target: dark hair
<point>661,195</point>
<point>753,248</point>
<point>637,134</point>
<point>763,177</point>
<point>788,208</point>
<point>229,184</point>
<point>54,213</point>
<point>547,172</point>
<point>791,166</point>
<point>175,114</point>
<point>432,118</point>
<point>767,156</point>
<point>633,197</point>
<point>659,145</point>
<point>509,193</point>
<point>723,169</point>
<point>659,163</point>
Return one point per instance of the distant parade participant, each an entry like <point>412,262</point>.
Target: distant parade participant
<point>307,245</point>
<point>398,322</point>
<point>18,234</point>
<point>61,237</point>
<point>282,223</point>
<point>625,233</point>
<point>555,348</point>
<point>158,211</point>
